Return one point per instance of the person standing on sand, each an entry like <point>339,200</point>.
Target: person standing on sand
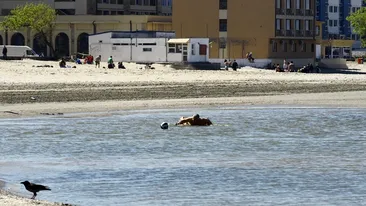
<point>285,66</point>
<point>5,52</point>
<point>97,61</point>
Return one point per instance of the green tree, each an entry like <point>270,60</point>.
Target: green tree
<point>38,17</point>
<point>358,22</point>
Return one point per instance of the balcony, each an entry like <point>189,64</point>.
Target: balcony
<point>280,33</point>
<point>290,12</point>
<point>299,12</point>
<point>299,33</point>
<point>289,33</point>
<point>309,12</point>
<point>280,11</point>
<point>309,34</point>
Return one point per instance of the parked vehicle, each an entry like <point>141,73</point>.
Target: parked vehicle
<point>19,51</point>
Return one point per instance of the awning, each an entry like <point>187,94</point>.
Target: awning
<point>178,41</point>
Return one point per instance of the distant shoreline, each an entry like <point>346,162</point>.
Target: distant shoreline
<point>352,99</point>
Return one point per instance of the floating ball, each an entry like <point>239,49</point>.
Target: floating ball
<point>164,125</point>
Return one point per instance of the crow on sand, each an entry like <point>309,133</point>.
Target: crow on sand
<point>31,187</point>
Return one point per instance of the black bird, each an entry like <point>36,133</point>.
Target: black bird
<point>31,187</point>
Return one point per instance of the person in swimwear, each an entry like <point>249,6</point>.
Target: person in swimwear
<point>194,121</point>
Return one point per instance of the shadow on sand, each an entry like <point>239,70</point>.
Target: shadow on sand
<point>341,71</point>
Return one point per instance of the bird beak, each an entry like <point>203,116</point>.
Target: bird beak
<point>22,183</point>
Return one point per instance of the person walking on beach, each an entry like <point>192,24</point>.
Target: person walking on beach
<point>227,64</point>
<point>97,61</point>
<point>5,52</point>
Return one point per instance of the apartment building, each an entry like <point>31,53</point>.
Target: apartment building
<point>334,13</point>
<point>98,7</point>
<point>270,29</point>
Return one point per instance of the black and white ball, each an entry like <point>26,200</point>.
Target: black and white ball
<point>164,125</point>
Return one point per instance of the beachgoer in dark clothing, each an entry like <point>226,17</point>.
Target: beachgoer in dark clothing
<point>235,65</point>
<point>5,52</point>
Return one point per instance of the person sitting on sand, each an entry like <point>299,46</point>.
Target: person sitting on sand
<point>194,121</point>
<point>110,63</point>
<point>62,63</point>
<point>121,66</point>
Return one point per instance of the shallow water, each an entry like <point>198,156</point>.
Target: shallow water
<point>251,156</point>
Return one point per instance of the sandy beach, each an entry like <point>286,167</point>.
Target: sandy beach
<point>28,89</point>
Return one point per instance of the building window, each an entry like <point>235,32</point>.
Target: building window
<point>335,23</point>
<point>284,46</point>
<point>147,49</point>
<point>317,30</point>
<point>335,9</point>
<point>293,47</point>
<point>278,4</point>
<point>274,46</point>
<point>330,23</point>
<point>312,47</point>
<point>171,48</point>
<point>223,24</point>
<point>307,25</point>
<point>193,50</point>
<point>203,49</point>
<point>223,4</point>
<point>298,4</point>
<point>297,25</point>
<point>288,4</point>
<point>278,24</point>
<point>288,24</point>
<point>307,4</point>
<point>303,47</point>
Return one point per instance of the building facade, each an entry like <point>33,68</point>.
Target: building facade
<point>270,29</point>
<point>98,7</point>
<point>76,19</point>
<point>334,13</point>
<point>70,35</point>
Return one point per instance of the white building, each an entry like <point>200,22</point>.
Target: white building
<point>148,47</point>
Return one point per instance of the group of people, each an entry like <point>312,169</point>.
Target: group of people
<point>290,67</point>
<point>90,60</point>
<point>287,67</point>
<point>232,64</point>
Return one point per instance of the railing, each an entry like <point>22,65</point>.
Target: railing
<point>289,12</point>
<point>289,33</point>
<point>299,12</point>
<point>280,33</point>
<point>299,33</point>
<point>308,33</point>
<point>280,11</point>
<point>309,12</point>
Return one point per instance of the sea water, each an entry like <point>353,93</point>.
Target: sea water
<point>251,156</point>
